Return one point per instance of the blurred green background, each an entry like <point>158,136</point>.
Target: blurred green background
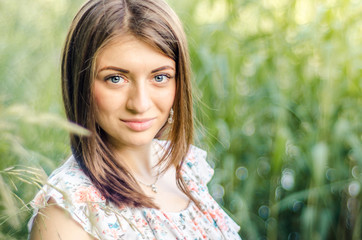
<point>279,104</point>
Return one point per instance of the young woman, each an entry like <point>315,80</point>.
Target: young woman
<point>126,78</point>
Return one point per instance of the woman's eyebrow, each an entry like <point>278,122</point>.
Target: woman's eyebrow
<point>114,68</point>
<point>126,71</point>
<point>162,68</point>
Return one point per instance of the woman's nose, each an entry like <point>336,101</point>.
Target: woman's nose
<point>139,100</point>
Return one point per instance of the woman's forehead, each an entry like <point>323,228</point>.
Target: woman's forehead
<point>132,54</point>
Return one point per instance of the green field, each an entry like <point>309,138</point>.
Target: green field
<point>278,98</point>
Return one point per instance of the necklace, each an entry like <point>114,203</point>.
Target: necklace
<point>152,185</point>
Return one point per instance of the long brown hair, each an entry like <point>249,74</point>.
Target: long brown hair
<point>94,26</point>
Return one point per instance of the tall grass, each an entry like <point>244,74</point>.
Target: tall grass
<point>282,84</point>
<point>33,133</point>
<point>280,95</point>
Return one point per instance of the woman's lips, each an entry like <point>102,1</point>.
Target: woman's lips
<point>138,125</point>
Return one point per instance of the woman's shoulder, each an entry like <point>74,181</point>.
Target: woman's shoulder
<point>53,222</point>
<point>195,165</point>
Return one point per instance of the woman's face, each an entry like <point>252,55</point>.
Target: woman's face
<point>134,89</point>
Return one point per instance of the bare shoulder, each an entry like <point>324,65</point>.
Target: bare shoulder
<point>53,222</point>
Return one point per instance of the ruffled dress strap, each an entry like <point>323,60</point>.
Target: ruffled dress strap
<point>197,173</point>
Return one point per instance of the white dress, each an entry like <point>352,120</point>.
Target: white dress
<point>72,190</point>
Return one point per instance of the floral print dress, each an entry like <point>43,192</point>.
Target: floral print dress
<point>72,190</point>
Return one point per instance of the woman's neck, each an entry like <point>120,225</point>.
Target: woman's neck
<point>140,160</point>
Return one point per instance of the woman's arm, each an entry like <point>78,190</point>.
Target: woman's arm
<point>53,223</point>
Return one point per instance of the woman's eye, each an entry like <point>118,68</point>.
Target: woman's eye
<point>161,78</point>
<point>115,79</point>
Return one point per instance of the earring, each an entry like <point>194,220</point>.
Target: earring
<point>170,118</point>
